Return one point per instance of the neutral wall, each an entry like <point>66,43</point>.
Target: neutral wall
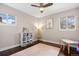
<point>9,35</point>
<point>54,35</point>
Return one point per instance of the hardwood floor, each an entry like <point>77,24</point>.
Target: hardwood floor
<point>39,49</point>
<point>73,52</point>
<point>17,49</point>
<point>11,51</point>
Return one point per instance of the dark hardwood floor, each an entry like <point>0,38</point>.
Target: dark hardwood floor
<point>73,52</point>
<point>17,49</point>
<point>11,51</point>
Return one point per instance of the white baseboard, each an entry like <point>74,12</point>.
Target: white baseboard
<point>51,41</point>
<point>9,47</point>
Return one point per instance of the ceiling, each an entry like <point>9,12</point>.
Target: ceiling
<point>55,8</point>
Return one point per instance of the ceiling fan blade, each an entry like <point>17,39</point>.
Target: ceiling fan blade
<point>41,4</point>
<point>35,6</point>
<point>49,4</point>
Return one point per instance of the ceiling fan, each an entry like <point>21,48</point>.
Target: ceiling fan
<point>41,6</point>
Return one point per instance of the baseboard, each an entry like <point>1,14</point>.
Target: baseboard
<point>9,47</point>
<point>49,43</point>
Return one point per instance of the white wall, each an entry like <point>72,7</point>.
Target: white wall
<point>9,35</point>
<point>54,35</point>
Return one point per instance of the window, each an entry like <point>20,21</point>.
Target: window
<point>7,19</point>
<point>68,23</point>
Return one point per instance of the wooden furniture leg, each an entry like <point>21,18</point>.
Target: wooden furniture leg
<point>68,49</point>
<point>63,47</point>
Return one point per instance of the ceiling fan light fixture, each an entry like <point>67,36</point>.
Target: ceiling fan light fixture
<point>41,6</point>
<point>41,9</point>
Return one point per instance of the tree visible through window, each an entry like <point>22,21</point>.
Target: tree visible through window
<point>68,23</point>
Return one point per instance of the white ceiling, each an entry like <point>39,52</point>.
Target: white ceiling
<point>55,8</point>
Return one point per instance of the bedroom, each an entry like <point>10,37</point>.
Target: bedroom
<point>49,34</point>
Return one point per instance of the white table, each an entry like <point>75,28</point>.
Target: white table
<point>68,43</point>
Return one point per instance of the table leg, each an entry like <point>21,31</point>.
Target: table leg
<point>63,47</point>
<point>68,49</point>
